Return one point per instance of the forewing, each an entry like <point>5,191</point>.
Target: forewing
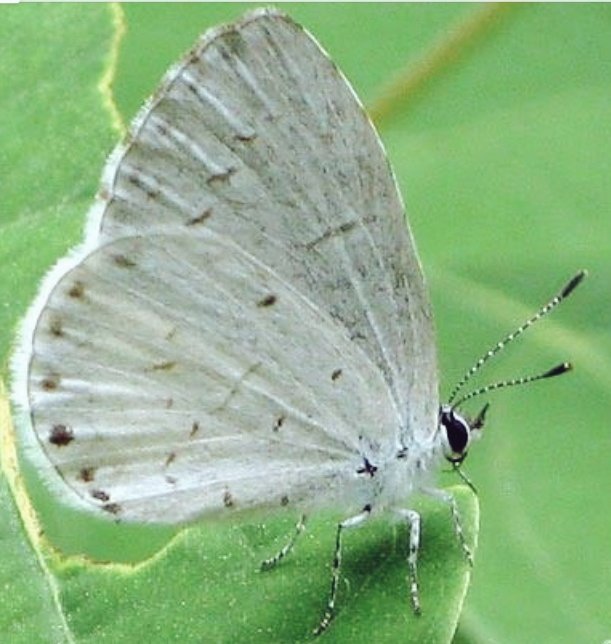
<point>258,136</point>
<point>174,376</point>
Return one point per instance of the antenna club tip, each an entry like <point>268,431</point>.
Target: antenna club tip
<point>558,370</point>
<point>574,282</point>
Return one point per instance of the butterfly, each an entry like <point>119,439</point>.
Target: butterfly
<point>246,324</point>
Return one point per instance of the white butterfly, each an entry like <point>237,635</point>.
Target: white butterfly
<point>246,323</point>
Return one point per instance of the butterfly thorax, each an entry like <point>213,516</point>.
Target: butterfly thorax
<point>388,480</point>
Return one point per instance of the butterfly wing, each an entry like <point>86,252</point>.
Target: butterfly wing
<point>258,136</point>
<point>213,383</point>
<point>256,145</point>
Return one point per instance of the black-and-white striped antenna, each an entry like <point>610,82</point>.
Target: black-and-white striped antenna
<point>558,370</point>
<point>570,286</point>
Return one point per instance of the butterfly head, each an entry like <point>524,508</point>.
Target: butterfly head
<point>457,432</point>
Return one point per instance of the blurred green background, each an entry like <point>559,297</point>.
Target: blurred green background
<point>503,157</point>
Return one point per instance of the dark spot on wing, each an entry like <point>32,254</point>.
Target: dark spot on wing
<point>61,435</point>
<point>284,500</point>
<point>87,474</point>
<point>136,179</point>
<point>166,365</point>
<point>200,219</point>
<point>268,300</point>
<point>112,508</point>
<point>246,138</point>
<point>161,128</point>
<point>220,177</point>
<point>170,480</point>
<point>77,290</point>
<point>194,428</point>
<point>331,232</point>
<point>279,422</point>
<point>50,382</point>
<point>169,403</point>
<point>56,327</point>
<point>100,495</point>
<point>228,501</point>
<point>234,42</point>
<point>123,261</point>
<point>336,374</point>
<point>170,459</point>
<point>367,468</point>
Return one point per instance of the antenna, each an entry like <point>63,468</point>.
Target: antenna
<point>558,370</point>
<point>569,287</point>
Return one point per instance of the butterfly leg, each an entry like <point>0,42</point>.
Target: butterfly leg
<point>413,520</point>
<point>267,564</point>
<point>449,500</point>
<point>351,522</point>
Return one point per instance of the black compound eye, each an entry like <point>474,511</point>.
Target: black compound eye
<point>457,431</point>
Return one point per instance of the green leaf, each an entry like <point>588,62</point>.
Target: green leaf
<point>55,133</point>
<point>206,584</point>
<point>29,611</point>
<point>502,150</point>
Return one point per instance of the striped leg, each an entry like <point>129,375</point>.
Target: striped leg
<point>351,522</point>
<point>413,521</point>
<point>449,500</point>
<point>267,564</point>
